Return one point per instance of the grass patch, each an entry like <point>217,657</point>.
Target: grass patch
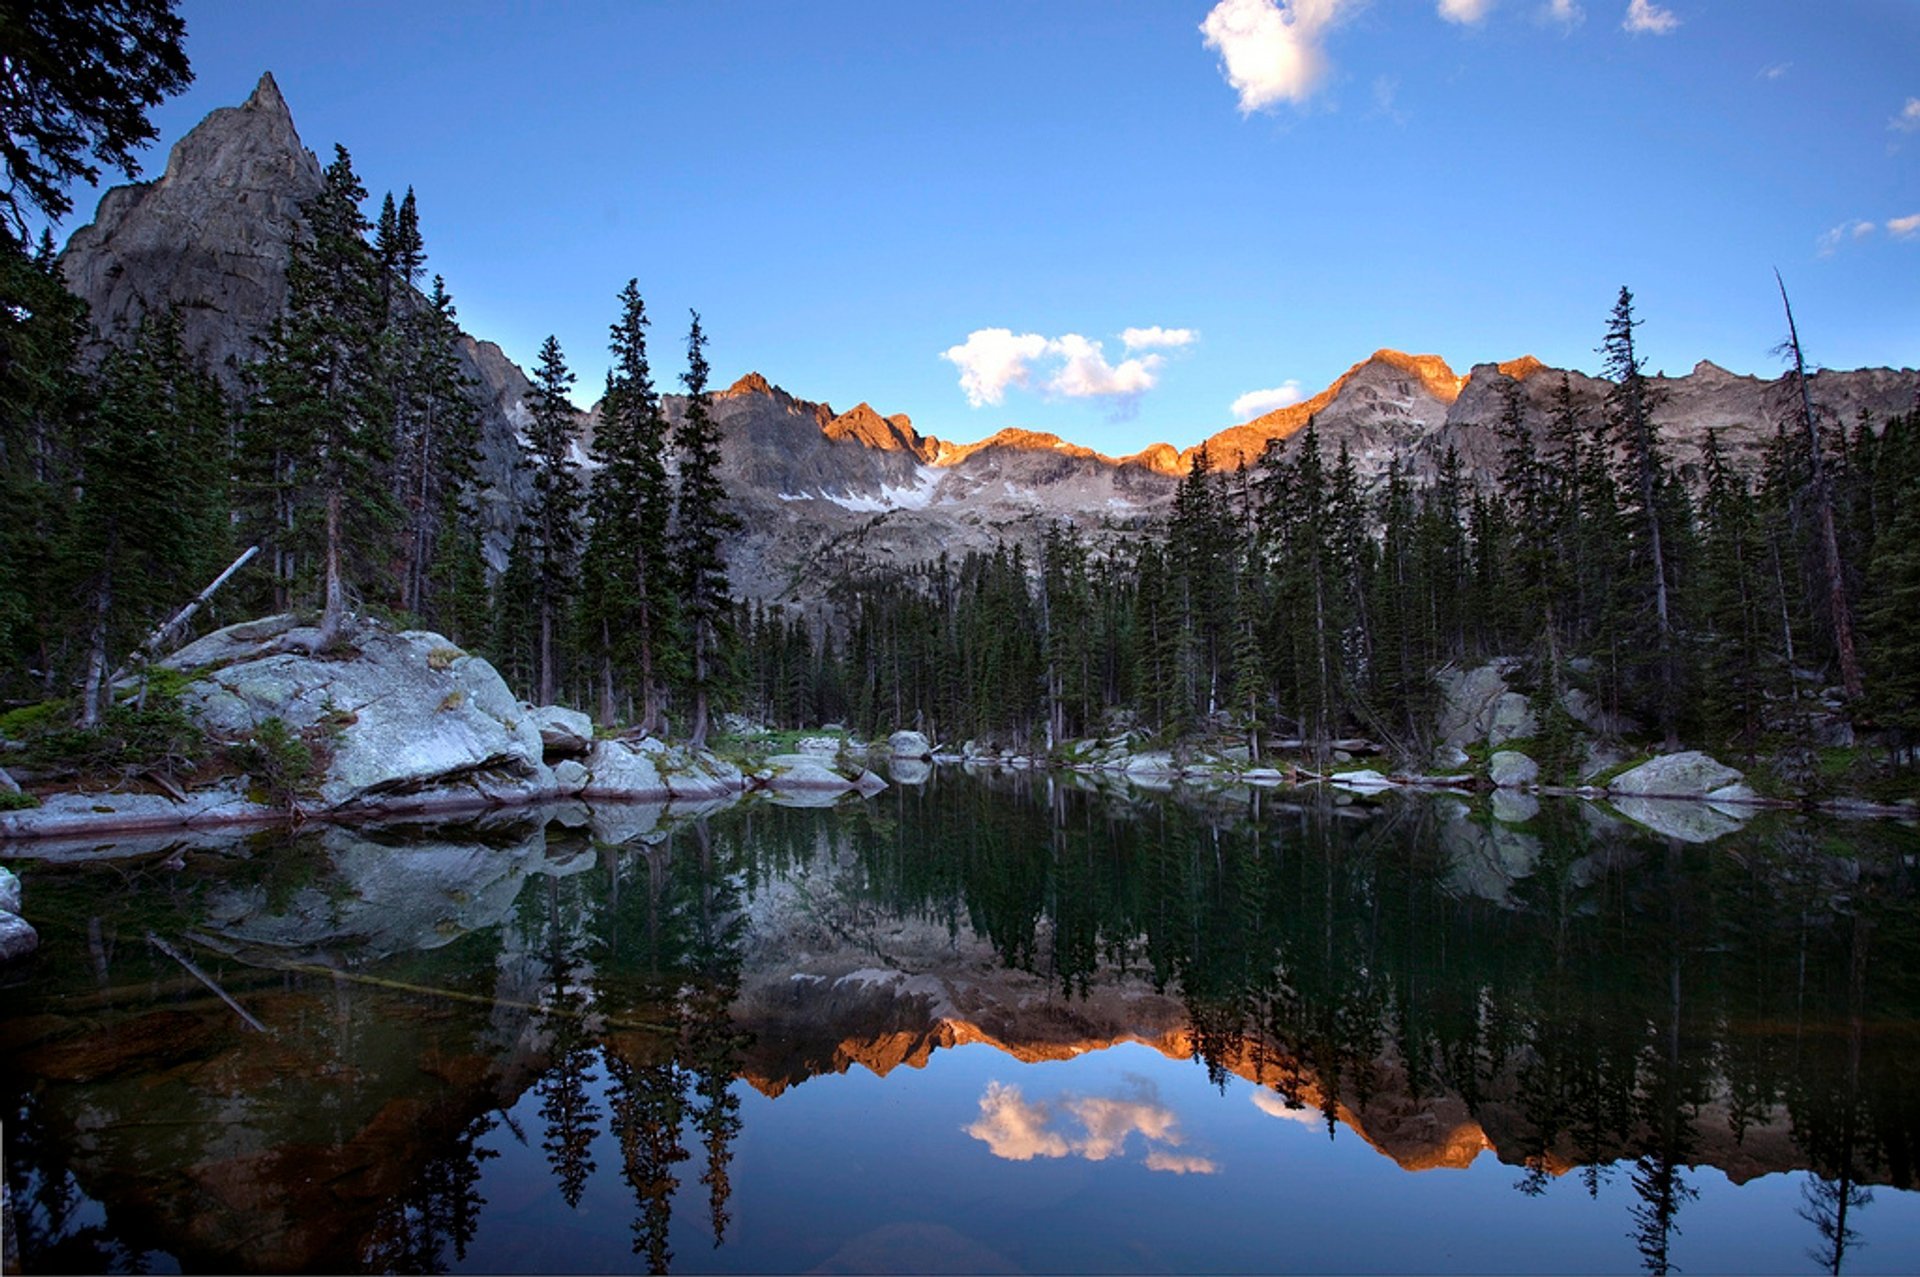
<point>18,802</point>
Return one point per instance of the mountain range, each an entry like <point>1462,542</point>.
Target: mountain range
<point>823,493</point>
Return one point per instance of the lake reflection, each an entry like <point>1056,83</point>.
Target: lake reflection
<point>1143,1032</point>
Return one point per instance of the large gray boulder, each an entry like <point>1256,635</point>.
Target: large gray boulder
<point>400,713</point>
<point>564,732</point>
<point>910,745</point>
<point>1512,719</point>
<point>7,783</point>
<point>1470,700</point>
<point>798,773</point>
<point>617,769</point>
<point>1686,775</point>
<point>1510,769</point>
<point>9,891</point>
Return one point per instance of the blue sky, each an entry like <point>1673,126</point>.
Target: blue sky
<point>852,194</point>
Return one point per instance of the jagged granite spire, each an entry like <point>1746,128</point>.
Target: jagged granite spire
<point>212,236</point>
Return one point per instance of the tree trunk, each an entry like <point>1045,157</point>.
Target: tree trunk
<point>90,692</point>
<point>333,614</point>
<point>544,677</point>
<point>697,737</point>
<point>606,675</point>
<point>1840,615</point>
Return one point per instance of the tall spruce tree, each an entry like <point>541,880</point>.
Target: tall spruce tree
<point>1630,412</point>
<point>318,431</point>
<point>553,516</point>
<point>701,523</point>
<point>626,569</point>
<point>151,513</point>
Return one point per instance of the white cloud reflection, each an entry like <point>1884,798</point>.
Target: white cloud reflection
<point>1019,1130</point>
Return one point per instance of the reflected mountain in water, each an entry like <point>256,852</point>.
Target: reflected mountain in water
<point>1567,994</point>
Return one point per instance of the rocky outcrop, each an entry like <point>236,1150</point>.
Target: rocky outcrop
<point>910,745</point>
<point>1479,705</point>
<point>563,732</point>
<point>401,714</point>
<point>818,773</point>
<point>1686,775</point>
<point>1509,769</point>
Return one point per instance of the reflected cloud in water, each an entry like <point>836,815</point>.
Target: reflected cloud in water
<point>1019,1130</point>
<point>1275,1105</point>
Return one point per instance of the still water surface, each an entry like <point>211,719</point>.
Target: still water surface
<point>976,1025</point>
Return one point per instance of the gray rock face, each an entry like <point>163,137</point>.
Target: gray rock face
<point>211,237</point>
<point>17,938</point>
<point>1510,769</point>
<point>1474,703</point>
<point>408,712</point>
<point>7,784</point>
<point>1687,775</point>
<point>9,891</point>
<point>794,773</point>
<point>1513,719</point>
<point>616,770</point>
<point>562,731</point>
<point>910,745</point>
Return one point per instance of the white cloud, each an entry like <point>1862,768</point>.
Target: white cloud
<point>1014,1129</point>
<point>1829,243</point>
<point>1148,338</point>
<point>1019,1131</point>
<point>991,359</point>
<point>1644,17</point>
<point>1256,403</point>
<point>1276,1106</point>
<point>1775,71</point>
<point>1466,12</point>
<point>1270,50</point>
<point>1086,374</point>
<point>1904,227</point>
<point>1908,121</point>
<point>1567,13</point>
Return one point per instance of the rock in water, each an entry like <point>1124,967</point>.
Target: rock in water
<point>9,891</point>
<point>1510,769</point>
<point>563,732</point>
<point>1686,775</point>
<point>910,745</point>
<point>405,713</point>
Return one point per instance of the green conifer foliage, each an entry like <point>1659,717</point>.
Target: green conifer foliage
<point>701,524</point>
<point>629,602</point>
<point>318,432</point>
<point>553,518</point>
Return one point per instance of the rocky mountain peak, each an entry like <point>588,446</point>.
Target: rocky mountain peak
<point>751,384</point>
<point>212,237</point>
<point>864,425</point>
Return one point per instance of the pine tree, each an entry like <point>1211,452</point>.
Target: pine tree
<point>701,523</point>
<point>1630,412</point>
<point>627,554</point>
<point>553,516</point>
<point>318,431</point>
<point>152,510</point>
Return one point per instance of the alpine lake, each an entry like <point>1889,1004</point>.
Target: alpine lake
<point>982,1023</point>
